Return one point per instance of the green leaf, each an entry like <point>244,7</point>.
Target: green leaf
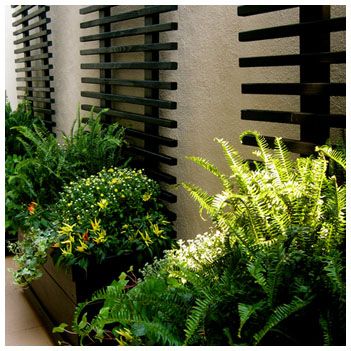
<point>122,276</point>
<point>83,322</point>
<point>60,328</point>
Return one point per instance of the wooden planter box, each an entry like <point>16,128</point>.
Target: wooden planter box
<point>56,294</point>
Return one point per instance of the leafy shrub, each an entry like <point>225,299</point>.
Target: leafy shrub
<point>49,165</point>
<point>114,212</point>
<point>22,116</point>
<point>14,154</point>
<point>273,274</point>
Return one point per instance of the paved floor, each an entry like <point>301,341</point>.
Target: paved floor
<point>22,326</point>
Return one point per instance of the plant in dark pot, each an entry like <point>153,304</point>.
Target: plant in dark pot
<point>115,213</point>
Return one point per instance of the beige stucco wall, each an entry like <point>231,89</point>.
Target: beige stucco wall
<point>209,87</point>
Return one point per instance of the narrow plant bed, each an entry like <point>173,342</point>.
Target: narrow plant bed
<point>56,294</point>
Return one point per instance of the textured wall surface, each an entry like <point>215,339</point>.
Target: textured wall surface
<point>10,76</point>
<point>209,86</point>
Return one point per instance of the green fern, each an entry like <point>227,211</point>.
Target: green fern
<point>275,255</point>
<point>281,313</point>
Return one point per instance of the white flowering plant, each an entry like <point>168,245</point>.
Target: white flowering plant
<point>116,212</point>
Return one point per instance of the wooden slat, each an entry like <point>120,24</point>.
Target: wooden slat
<point>160,140</point>
<point>33,47</point>
<point>330,25</point>
<point>26,38</point>
<point>131,99</point>
<point>167,196</point>
<point>130,48</point>
<point>332,120</point>
<point>162,122</point>
<point>31,15</point>
<point>21,10</point>
<point>250,10</point>
<point>293,60</point>
<point>161,176</point>
<point>131,32</point>
<point>34,68</point>
<point>292,145</point>
<point>36,98</point>
<point>131,65</point>
<point>90,9</point>
<point>34,58</point>
<point>37,79</point>
<point>132,83</point>
<point>323,89</point>
<point>36,89</point>
<point>129,15</point>
<point>32,26</point>
<point>45,111</point>
<point>158,156</point>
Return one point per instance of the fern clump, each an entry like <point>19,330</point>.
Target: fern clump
<point>48,164</point>
<point>271,272</point>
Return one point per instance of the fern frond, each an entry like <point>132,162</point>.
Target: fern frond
<point>335,155</point>
<point>280,314</point>
<point>203,198</point>
<point>264,151</point>
<point>284,165</point>
<point>246,311</point>
<point>239,168</point>
<point>197,316</point>
<point>212,169</point>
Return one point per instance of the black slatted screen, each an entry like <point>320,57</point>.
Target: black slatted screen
<point>314,88</point>
<point>128,44</point>
<point>33,56</point>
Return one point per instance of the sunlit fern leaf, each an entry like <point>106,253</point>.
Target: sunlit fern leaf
<point>264,150</point>
<point>203,198</point>
<point>212,169</point>
<point>238,167</point>
<point>284,167</point>
<point>336,155</point>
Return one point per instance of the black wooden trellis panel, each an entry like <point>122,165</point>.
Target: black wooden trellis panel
<point>145,142</point>
<point>314,59</point>
<point>31,23</point>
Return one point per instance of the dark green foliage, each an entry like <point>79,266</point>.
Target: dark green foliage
<point>15,153</point>
<point>50,164</point>
<point>272,274</point>
<point>22,116</point>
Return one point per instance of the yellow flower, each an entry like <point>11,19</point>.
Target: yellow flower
<point>125,336</point>
<point>146,197</point>
<point>101,238</point>
<point>103,203</point>
<point>83,246</point>
<point>111,170</point>
<point>66,229</point>
<point>95,225</point>
<point>114,181</point>
<point>145,236</point>
<point>157,230</point>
